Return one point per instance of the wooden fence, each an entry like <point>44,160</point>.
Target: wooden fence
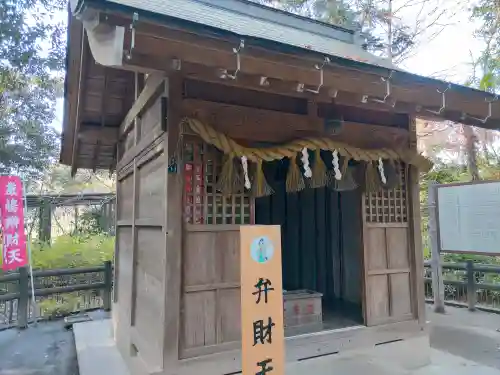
<point>472,285</point>
<point>466,284</point>
<point>48,284</point>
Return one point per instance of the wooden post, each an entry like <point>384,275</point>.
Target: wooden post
<point>415,229</point>
<point>24,296</point>
<point>76,220</point>
<point>471,286</point>
<point>437,272</point>
<point>417,254</point>
<point>108,282</point>
<point>173,226</point>
<point>45,220</point>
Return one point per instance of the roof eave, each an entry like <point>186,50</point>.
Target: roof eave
<point>397,75</point>
<point>403,76</point>
<point>74,35</point>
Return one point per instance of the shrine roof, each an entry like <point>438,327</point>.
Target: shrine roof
<point>249,19</point>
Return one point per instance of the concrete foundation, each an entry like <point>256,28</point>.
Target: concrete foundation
<point>97,354</point>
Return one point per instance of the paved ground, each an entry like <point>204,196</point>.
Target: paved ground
<point>442,364</point>
<point>47,349</point>
<point>464,343</point>
<point>474,336</point>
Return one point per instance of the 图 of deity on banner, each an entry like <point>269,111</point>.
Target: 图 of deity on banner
<point>261,301</point>
<point>14,252</point>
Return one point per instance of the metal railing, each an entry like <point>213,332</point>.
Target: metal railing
<point>468,284</point>
<point>90,288</point>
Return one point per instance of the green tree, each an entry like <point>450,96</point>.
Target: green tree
<point>485,76</point>
<point>31,60</point>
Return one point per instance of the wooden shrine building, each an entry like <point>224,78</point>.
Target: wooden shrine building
<point>216,114</point>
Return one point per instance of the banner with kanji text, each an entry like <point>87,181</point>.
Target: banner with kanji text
<point>14,252</point>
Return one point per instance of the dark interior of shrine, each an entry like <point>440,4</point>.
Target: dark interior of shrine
<point>321,234</point>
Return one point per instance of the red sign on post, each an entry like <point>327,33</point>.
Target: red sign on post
<point>14,252</point>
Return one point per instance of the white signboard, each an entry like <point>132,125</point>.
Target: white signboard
<point>469,218</point>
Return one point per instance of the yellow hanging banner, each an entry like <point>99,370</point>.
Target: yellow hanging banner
<point>262,331</point>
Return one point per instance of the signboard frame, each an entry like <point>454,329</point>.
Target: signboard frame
<point>262,330</point>
<point>438,218</point>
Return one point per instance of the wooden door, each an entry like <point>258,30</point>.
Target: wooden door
<point>387,267</point>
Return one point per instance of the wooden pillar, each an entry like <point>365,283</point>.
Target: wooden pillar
<point>437,272</point>
<point>416,248</point>
<point>135,195</point>
<point>173,225</point>
<point>471,285</point>
<point>116,266</point>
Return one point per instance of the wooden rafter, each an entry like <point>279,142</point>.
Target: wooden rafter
<point>92,133</point>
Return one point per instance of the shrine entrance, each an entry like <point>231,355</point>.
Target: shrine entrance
<point>321,254</point>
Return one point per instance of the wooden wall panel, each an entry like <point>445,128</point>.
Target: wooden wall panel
<point>387,273</point>
<point>141,250</point>
<point>230,315</point>
<point>129,141</point>
<point>397,248</point>
<point>199,314</point>
<point>199,259</point>
<point>124,238</point>
<point>151,254</point>
<point>251,124</point>
<point>210,288</point>
<point>151,118</point>
<point>148,290</point>
<point>400,294</point>
<point>122,288</point>
<point>151,204</point>
<point>229,257</point>
<point>148,317</point>
<point>375,241</point>
<point>378,298</point>
<point>125,204</point>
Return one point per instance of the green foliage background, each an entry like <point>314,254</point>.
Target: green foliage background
<point>73,252</point>
<point>32,50</point>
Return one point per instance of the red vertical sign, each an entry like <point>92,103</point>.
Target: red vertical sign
<point>14,252</point>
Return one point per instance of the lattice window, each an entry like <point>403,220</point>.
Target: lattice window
<point>203,202</point>
<point>388,206</point>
